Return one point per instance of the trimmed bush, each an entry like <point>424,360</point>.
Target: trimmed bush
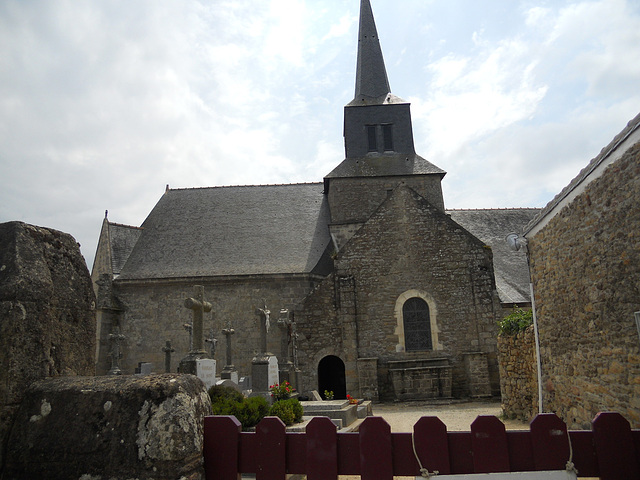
<point>228,401</point>
<point>290,411</point>
<point>284,411</point>
<point>219,392</point>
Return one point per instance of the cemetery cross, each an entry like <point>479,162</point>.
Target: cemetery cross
<point>198,305</point>
<point>168,350</point>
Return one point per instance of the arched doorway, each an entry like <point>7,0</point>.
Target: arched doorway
<point>331,377</point>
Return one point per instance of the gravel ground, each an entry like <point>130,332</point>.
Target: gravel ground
<point>456,416</point>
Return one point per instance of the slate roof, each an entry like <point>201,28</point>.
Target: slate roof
<point>385,165</point>
<point>491,226</point>
<point>122,239</point>
<point>630,128</point>
<point>246,230</point>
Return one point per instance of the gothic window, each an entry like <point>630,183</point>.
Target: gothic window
<point>372,138</point>
<point>387,137</point>
<point>417,325</point>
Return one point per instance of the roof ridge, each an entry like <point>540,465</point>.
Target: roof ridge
<point>490,209</point>
<point>124,225</point>
<point>246,186</point>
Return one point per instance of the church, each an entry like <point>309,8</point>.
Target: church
<point>373,289</point>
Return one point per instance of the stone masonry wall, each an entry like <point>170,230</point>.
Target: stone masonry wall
<point>448,265</point>
<point>586,268</point>
<point>518,375</point>
<point>155,313</point>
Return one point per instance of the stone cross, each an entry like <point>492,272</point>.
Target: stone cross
<point>189,328</point>
<point>167,356</point>
<point>199,306</point>
<point>213,341</point>
<point>294,344</point>
<point>116,338</point>
<point>264,327</point>
<point>228,332</point>
<point>285,324</point>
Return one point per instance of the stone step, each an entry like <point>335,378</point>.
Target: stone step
<point>323,406</point>
<point>335,410</point>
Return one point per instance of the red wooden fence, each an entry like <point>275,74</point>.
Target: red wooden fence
<point>611,450</point>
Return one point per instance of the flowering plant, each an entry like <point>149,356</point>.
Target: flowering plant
<point>351,399</point>
<point>281,391</point>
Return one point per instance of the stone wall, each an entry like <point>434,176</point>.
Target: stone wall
<point>47,317</point>
<point>518,375</point>
<point>449,268</point>
<point>586,268</point>
<point>154,312</point>
<point>115,427</point>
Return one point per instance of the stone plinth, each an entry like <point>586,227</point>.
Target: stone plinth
<point>340,410</point>
<point>264,373</point>
<point>477,370</point>
<point>421,379</point>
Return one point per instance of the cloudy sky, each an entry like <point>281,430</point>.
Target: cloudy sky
<point>103,103</point>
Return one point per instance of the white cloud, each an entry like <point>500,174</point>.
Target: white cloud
<point>102,104</point>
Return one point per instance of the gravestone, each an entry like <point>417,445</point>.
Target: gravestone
<point>229,371</point>
<point>206,371</point>
<point>199,306</point>
<point>264,366</point>
<point>116,338</point>
<point>168,350</point>
<point>144,368</point>
<point>245,383</point>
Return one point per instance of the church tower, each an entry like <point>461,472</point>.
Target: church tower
<point>379,148</point>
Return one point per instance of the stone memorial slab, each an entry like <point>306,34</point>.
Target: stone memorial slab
<point>230,375</point>
<point>273,372</point>
<point>206,371</point>
<point>144,368</point>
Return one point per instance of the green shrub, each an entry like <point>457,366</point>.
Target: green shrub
<point>298,411</point>
<point>218,392</point>
<point>228,401</point>
<point>284,411</point>
<point>515,322</point>
<point>251,411</point>
<point>290,411</point>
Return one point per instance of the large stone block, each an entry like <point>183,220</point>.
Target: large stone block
<point>115,427</point>
<point>47,317</point>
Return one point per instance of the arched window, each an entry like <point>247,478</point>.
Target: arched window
<point>417,325</point>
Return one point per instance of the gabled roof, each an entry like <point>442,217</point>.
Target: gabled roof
<point>122,239</point>
<point>220,231</point>
<point>491,226</point>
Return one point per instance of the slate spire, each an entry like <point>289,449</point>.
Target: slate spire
<point>372,84</point>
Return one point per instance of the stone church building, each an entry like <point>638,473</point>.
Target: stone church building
<point>374,289</point>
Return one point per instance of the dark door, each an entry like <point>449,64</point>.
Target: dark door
<point>331,377</point>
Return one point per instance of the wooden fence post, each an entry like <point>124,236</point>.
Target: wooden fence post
<point>221,438</point>
<point>376,461</point>
<point>322,449</point>
<point>550,442</point>
<point>615,448</point>
<point>489,443</point>
<point>271,457</point>
<point>432,446</point>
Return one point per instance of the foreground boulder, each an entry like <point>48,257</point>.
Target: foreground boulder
<point>116,427</point>
<point>47,313</point>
